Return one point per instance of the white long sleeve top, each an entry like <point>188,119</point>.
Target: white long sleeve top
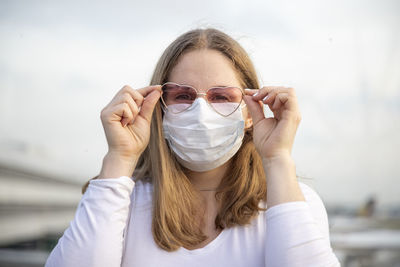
<point>112,227</point>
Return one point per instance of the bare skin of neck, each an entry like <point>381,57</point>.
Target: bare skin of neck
<point>206,182</point>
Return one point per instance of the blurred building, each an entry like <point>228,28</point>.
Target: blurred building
<point>35,208</point>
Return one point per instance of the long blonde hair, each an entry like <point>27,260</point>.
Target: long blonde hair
<point>177,206</point>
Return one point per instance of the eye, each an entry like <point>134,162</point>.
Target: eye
<point>183,97</point>
<point>219,97</point>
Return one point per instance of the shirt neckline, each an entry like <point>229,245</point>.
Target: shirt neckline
<point>210,246</point>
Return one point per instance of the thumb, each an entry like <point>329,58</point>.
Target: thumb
<point>146,111</point>
<point>255,109</point>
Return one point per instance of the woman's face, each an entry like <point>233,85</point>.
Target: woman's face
<point>204,69</point>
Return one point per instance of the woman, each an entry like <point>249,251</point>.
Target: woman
<point>214,183</point>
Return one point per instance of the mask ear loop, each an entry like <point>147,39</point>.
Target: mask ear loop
<point>243,104</point>
<point>164,109</point>
<point>243,94</point>
<point>163,105</point>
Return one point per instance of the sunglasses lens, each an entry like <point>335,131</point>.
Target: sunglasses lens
<point>225,100</point>
<point>178,98</point>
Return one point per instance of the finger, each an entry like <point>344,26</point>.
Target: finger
<point>122,113</point>
<point>140,94</point>
<point>134,109</point>
<point>133,105</point>
<point>148,89</point>
<point>270,98</point>
<point>290,102</point>
<point>137,95</point>
<point>255,109</point>
<point>248,91</point>
<point>267,90</point>
<point>149,103</point>
<point>285,105</point>
<point>262,92</point>
<point>280,100</point>
<point>123,90</point>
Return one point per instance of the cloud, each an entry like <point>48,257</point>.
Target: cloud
<point>62,62</point>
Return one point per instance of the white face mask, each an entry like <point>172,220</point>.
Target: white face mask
<point>201,138</point>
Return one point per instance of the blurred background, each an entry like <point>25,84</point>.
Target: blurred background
<point>61,62</point>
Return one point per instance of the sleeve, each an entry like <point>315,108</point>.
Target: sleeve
<point>298,233</point>
<point>95,236</point>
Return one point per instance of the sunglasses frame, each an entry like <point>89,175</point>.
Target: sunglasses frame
<point>204,95</point>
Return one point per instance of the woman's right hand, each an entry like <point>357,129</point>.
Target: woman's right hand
<point>126,121</point>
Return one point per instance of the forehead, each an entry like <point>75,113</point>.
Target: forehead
<point>203,69</point>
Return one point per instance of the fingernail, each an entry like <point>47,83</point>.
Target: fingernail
<point>265,98</point>
<point>256,94</point>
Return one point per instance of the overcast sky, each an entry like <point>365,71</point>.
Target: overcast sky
<point>62,61</point>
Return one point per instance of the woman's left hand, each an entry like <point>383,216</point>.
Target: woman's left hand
<point>273,137</point>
